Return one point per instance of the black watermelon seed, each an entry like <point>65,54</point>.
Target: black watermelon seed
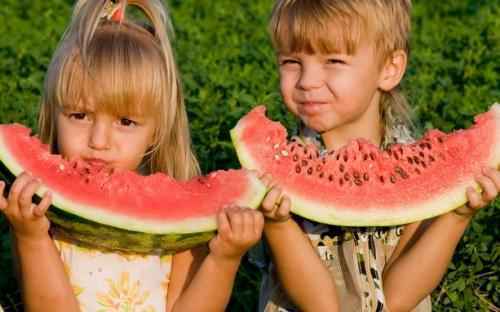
<point>295,157</point>
<point>297,169</point>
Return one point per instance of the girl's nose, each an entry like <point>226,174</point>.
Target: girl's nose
<point>310,78</point>
<point>100,136</point>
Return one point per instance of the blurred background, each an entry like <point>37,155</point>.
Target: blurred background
<point>228,66</point>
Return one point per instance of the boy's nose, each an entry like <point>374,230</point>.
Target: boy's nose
<point>310,79</point>
<point>100,136</point>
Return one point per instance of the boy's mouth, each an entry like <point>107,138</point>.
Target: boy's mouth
<point>311,107</point>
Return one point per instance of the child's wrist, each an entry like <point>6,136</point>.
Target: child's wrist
<point>233,260</point>
<point>31,240</point>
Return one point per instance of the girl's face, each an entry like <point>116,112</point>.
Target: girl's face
<point>102,139</point>
<point>336,94</point>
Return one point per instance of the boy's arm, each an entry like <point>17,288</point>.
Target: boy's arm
<point>299,267</point>
<point>303,275</point>
<point>425,250</point>
<point>202,278</point>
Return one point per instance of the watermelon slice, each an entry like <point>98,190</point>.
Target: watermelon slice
<point>361,185</point>
<point>123,210</point>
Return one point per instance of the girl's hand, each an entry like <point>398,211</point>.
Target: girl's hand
<point>275,206</point>
<point>28,220</point>
<point>489,182</point>
<point>238,230</point>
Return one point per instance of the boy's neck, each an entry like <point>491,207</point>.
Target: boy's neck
<point>368,127</point>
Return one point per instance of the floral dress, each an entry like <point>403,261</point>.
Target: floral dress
<point>115,281</point>
<point>355,256</point>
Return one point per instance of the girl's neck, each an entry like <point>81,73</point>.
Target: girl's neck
<point>368,126</point>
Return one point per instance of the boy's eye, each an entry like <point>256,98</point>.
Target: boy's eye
<point>288,62</point>
<point>127,122</point>
<point>335,61</point>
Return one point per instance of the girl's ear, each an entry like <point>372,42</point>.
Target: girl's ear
<point>393,70</point>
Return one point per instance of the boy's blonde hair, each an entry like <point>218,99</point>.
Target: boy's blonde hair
<point>333,26</point>
<point>124,69</point>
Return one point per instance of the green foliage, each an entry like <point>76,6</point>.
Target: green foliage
<point>228,66</point>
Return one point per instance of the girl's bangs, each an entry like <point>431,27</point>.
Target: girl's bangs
<point>115,76</point>
<point>309,29</point>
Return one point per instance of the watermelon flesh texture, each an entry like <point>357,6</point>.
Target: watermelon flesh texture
<point>122,209</point>
<point>361,185</point>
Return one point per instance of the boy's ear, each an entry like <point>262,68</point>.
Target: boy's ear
<point>393,70</point>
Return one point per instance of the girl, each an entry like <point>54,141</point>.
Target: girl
<point>113,98</point>
<point>340,64</point>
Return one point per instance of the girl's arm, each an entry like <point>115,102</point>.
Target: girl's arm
<point>307,281</point>
<point>202,278</point>
<point>425,250</point>
<point>44,283</point>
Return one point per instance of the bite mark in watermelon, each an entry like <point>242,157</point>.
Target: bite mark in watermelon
<point>122,209</point>
<point>361,185</point>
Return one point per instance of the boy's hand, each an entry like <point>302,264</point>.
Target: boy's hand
<point>27,220</point>
<point>275,206</point>
<point>489,181</point>
<point>238,230</point>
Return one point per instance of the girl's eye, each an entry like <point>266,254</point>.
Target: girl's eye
<point>127,122</point>
<point>77,116</point>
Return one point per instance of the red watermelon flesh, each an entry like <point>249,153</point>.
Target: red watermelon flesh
<point>155,204</point>
<point>361,185</point>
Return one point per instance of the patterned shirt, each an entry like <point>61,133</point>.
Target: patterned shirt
<point>355,256</point>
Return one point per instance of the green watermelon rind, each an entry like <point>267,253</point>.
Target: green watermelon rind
<point>188,225</point>
<point>88,233</point>
<point>375,216</point>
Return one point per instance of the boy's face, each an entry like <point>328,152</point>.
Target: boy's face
<point>333,94</point>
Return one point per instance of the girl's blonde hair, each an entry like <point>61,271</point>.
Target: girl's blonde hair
<point>124,69</point>
<point>330,26</point>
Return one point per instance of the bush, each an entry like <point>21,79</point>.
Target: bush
<point>228,66</point>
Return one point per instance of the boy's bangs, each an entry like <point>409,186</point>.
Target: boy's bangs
<point>116,76</point>
<point>306,28</point>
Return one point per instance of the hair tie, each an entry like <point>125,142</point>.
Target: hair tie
<point>113,11</point>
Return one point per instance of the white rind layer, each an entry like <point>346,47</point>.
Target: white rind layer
<point>187,225</point>
<point>376,215</point>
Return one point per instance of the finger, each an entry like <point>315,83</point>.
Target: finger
<point>223,227</point>
<point>494,175</point>
<point>247,224</point>
<point>489,188</point>
<point>236,222</point>
<point>475,200</point>
<point>283,211</point>
<point>18,186</point>
<point>268,204</point>
<point>41,208</point>
<point>258,223</point>
<point>25,198</point>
